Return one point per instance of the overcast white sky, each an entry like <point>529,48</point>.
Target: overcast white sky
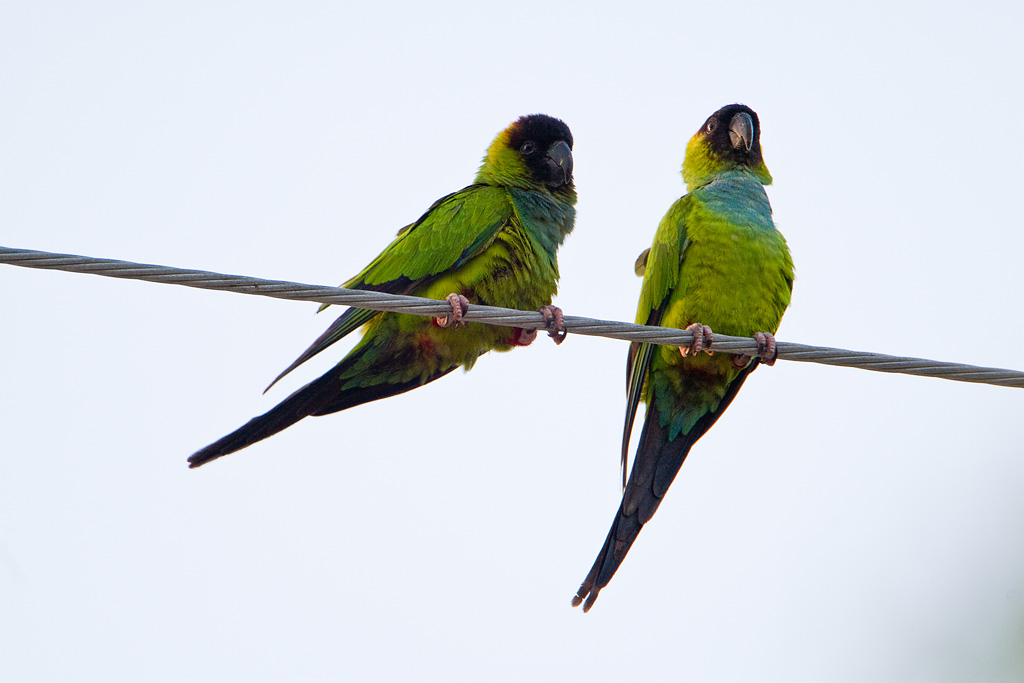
<point>836,525</point>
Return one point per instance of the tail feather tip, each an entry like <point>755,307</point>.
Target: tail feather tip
<point>589,594</point>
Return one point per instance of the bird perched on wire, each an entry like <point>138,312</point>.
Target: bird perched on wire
<point>717,262</point>
<point>493,243</point>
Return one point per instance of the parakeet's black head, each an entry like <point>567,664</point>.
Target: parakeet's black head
<point>534,152</point>
<point>734,134</point>
<point>545,146</point>
<point>730,138</point>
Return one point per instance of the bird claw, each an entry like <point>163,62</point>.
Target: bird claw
<point>766,350</point>
<point>460,307</point>
<point>554,323</point>
<point>702,339</point>
<point>740,360</point>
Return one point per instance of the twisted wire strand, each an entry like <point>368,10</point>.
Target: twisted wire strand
<point>490,315</point>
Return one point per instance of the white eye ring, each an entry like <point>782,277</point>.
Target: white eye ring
<point>712,124</point>
<point>528,147</point>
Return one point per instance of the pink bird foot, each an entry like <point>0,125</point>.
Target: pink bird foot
<point>554,323</point>
<point>702,339</point>
<point>766,351</point>
<point>460,307</point>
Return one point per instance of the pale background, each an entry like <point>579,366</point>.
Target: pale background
<point>836,525</point>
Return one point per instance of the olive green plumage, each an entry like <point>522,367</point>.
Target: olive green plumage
<point>494,242</point>
<point>718,260</point>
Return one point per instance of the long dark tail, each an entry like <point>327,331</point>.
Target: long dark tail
<point>320,397</point>
<point>655,466</point>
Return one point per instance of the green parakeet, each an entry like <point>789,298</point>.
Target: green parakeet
<point>717,262</point>
<point>493,242</point>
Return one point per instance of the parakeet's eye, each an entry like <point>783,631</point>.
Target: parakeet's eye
<point>528,147</point>
<point>711,125</point>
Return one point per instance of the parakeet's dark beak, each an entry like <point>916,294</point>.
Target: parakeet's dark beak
<point>741,131</point>
<point>559,161</point>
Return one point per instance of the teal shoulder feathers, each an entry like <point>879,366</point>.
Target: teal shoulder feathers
<point>493,242</point>
<point>716,260</point>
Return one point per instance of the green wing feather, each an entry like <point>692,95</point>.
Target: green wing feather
<point>453,230</point>
<point>636,375</point>
<point>349,321</point>
<point>659,265</point>
<point>661,271</point>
